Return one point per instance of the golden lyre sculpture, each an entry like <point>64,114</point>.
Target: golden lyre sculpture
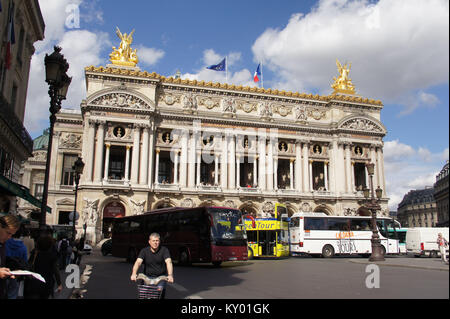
<point>124,55</point>
<point>343,84</point>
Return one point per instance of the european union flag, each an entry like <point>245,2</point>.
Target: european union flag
<point>218,67</point>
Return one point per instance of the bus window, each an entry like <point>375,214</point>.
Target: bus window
<point>359,224</point>
<point>315,223</point>
<point>382,228</point>
<point>252,237</point>
<point>295,222</point>
<point>338,224</point>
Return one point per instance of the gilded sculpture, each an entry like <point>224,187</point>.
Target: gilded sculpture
<point>124,55</point>
<point>343,84</point>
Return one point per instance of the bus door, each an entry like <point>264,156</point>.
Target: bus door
<point>391,242</point>
<point>268,242</point>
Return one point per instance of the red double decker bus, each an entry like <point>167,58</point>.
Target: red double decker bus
<point>201,234</point>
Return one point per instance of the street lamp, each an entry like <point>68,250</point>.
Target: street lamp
<point>372,204</point>
<point>56,67</point>
<point>78,169</point>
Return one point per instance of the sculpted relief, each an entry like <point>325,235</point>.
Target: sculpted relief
<point>121,100</point>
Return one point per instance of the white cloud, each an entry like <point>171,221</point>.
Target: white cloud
<point>397,48</point>
<point>407,168</point>
<point>149,56</point>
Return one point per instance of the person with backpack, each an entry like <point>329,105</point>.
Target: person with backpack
<point>62,252</point>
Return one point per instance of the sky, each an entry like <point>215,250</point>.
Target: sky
<point>399,51</point>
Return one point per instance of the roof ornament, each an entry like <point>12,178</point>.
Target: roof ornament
<point>343,84</point>
<point>124,55</point>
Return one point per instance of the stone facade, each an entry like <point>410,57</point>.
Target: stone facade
<point>16,144</point>
<point>418,209</point>
<point>441,195</point>
<point>150,142</point>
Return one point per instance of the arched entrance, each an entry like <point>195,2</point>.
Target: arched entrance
<point>111,211</point>
<point>323,209</point>
<point>247,209</point>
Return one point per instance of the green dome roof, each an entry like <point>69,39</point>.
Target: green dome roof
<point>41,142</point>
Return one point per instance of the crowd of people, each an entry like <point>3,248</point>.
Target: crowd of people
<point>44,255</point>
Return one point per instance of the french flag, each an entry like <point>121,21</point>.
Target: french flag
<point>11,37</point>
<point>257,74</point>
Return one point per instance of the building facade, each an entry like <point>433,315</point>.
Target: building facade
<point>150,141</point>
<point>418,209</point>
<point>21,25</point>
<point>441,196</point>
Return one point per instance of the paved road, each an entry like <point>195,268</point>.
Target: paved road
<point>293,278</point>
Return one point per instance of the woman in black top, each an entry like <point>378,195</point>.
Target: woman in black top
<point>44,261</point>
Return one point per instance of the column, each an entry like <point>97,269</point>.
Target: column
<point>305,167</point>
<point>224,163</point>
<point>298,167</point>
<point>352,172</point>
<point>184,158</point>
<point>144,156</point>
<point>127,164</point>
<point>175,174</point>
<point>255,171</point>
<point>90,157</point>
<point>348,168</point>
<point>135,156</point>
<point>325,168</point>
<point>198,165</point>
<point>191,161</point>
<point>275,173</point>
<point>157,167</point>
<point>106,165</point>
<point>216,169</point>
<point>310,176</point>
<point>238,171</point>
<point>291,171</point>
<point>232,161</point>
<point>332,167</point>
<point>151,148</point>
<point>99,151</point>
<point>270,163</point>
<point>262,159</point>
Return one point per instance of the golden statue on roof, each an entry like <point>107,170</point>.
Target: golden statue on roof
<point>124,55</point>
<point>343,84</point>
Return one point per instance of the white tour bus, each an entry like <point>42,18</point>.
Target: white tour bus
<point>320,234</point>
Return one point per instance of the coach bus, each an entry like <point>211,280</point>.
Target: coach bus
<point>268,237</point>
<point>202,234</point>
<point>318,234</point>
<point>400,234</point>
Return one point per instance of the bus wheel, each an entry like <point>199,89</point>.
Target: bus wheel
<point>217,263</point>
<point>327,251</point>
<point>433,254</point>
<point>183,259</point>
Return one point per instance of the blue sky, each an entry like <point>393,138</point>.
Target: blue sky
<point>399,50</point>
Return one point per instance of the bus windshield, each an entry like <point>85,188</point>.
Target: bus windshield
<point>225,222</point>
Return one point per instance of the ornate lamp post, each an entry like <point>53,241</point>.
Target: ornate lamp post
<point>56,67</point>
<point>78,167</point>
<point>372,204</point>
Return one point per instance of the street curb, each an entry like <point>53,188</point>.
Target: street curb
<point>398,265</point>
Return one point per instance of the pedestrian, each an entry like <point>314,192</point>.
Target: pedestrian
<point>443,244</point>
<point>27,240</point>
<point>43,261</point>
<point>157,262</point>
<point>63,244</point>
<point>16,259</point>
<point>9,224</point>
<point>78,250</point>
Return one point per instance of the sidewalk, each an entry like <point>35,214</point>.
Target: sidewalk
<point>69,293</point>
<point>397,261</point>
